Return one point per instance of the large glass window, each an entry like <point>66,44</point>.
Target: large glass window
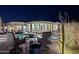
<point>28,27</point>
<point>33,27</point>
<point>20,27</point>
<point>49,27</point>
<point>45,27</point>
<point>41,26</point>
<point>11,28</point>
<point>17,27</point>
<point>55,27</point>
<point>37,27</point>
<point>24,28</point>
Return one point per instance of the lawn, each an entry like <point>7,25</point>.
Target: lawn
<point>70,51</point>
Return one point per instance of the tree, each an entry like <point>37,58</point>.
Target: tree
<point>64,20</point>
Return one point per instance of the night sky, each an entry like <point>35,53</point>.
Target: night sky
<point>36,12</point>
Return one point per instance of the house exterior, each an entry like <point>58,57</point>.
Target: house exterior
<point>34,26</point>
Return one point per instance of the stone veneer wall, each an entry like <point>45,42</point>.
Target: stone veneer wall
<point>71,33</point>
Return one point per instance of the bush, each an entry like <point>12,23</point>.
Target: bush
<point>71,44</point>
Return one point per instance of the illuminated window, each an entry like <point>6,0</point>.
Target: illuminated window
<point>49,27</point>
<point>45,27</point>
<point>17,27</point>
<point>33,27</point>
<point>11,28</point>
<point>37,27</point>
<point>20,27</point>
<point>41,26</point>
<point>55,27</point>
<point>24,28</point>
<point>28,27</point>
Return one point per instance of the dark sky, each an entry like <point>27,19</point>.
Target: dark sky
<point>36,12</point>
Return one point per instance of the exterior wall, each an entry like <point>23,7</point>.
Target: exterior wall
<point>71,35</point>
<point>71,31</point>
<point>15,26</point>
<point>35,26</point>
<point>42,26</point>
